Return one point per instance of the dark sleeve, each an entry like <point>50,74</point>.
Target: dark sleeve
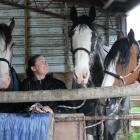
<point>59,84</point>
<point>53,83</point>
<point>25,85</point>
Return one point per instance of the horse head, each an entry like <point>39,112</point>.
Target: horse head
<point>121,63</point>
<point>6,44</point>
<point>82,43</point>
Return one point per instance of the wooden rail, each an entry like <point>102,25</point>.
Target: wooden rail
<point>69,94</point>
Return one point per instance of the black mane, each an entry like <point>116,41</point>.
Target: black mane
<point>122,47</point>
<point>84,19</point>
<point>5,32</point>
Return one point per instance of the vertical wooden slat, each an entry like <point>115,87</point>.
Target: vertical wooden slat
<point>107,30</point>
<point>67,60</point>
<point>26,41</point>
<point>123,24</point>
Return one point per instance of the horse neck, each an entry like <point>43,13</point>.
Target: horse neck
<point>109,79</point>
<point>96,70</point>
<point>101,54</point>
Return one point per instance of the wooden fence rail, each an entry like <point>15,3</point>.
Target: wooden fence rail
<point>69,94</point>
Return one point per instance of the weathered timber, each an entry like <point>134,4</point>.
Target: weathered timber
<point>80,117</point>
<point>114,117</point>
<point>69,94</point>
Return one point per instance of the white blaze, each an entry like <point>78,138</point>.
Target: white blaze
<point>82,39</point>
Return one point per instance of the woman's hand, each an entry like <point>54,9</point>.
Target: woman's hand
<point>37,107</point>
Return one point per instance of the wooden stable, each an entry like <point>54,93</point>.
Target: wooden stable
<point>44,30</point>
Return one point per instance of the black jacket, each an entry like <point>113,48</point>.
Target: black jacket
<point>48,83</point>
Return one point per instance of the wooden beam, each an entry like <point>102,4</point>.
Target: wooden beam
<point>21,6</point>
<point>108,3</point>
<point>114,117</point>
<point>69,94</point>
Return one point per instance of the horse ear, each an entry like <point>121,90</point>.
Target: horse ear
<point>12,24</point>
<point>131,35</point>
<point>73,14</point>
<point>92,13</point>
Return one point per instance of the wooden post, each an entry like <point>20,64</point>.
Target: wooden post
<point>67,58</point>
<point>107,30</point>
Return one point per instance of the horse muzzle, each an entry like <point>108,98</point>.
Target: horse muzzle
<point>81,77</point>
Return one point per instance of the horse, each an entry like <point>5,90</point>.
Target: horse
<point>121,68</point>
<point>9,80</point>
<point>88,53</point>
<point>87,49</point>
<point>8,77</point>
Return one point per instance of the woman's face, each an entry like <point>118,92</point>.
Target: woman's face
<point>40,67</point>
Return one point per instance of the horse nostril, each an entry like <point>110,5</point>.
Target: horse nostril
<point>75,75</point>
<point>85,75</point>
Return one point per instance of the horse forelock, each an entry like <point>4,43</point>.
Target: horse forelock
<point>82,20</point>
<point>120,48</point>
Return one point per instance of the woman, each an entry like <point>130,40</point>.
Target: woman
<point>37,76</point>
<point>38,79</point>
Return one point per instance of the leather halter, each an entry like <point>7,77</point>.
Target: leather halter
<point>74,51</point>
<point>5,60</point>
<point>78,49</point>
<point>10,69</point>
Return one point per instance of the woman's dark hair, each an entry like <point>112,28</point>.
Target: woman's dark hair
<point>31,62</point>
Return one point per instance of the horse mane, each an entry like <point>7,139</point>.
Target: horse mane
<point>5,33</point>
<point>96,71</point>
<point>121,46</point>
<point>82,21</point>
